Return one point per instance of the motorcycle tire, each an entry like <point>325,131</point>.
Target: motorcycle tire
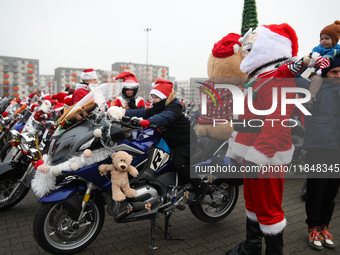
<point>5,150</point>
<point>7,183</point>
<point>208,213</point>
<point>54,232</point>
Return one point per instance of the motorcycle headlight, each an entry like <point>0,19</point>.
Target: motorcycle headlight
<point>14,134</point>
<point>27,141</point>
<point>35,153</point>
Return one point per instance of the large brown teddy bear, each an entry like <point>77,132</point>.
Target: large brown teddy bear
<point>119,169</point>
<point>223,68</point>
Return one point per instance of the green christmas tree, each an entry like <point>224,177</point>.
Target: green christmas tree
<point>249,16</point>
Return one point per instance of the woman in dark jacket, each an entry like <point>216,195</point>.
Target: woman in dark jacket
<point>322,142</point>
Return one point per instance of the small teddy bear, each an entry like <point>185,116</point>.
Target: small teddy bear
<point>119,169</point>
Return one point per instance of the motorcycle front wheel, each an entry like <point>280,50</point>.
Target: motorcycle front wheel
<point>57,233</point>
<point>5,150</point>
<point>8,182</point>
<point>216,209</point>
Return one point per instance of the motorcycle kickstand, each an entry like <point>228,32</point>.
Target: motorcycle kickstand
<point>152,245</point>
<point>166,228</point>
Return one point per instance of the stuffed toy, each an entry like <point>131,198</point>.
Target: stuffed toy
<point>119,169</point>
<point>43,111</point>
<point>223,68</point>
<point>71,116</point>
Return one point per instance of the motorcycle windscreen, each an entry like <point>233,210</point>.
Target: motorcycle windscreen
<point>101,95</point>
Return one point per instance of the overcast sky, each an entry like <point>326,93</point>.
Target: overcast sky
<point>97,33</point>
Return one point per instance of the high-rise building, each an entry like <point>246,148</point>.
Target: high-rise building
<point>188,90</point>
<point>68,77</point>
<point>18,76</point>
<point>47,84</point>
<point>145,74</point>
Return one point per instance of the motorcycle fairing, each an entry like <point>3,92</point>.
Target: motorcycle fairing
<point>64,192</point>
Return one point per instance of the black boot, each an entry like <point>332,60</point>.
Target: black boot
<point>274,244</point>
<point>253,243</point>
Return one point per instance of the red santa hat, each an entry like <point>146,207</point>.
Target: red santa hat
<point>88,74</point>
<point>226,46</point>
<point>129,80</point>
<point>162,89</point>
<point>274,42</point>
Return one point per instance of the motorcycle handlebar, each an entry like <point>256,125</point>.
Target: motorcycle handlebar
<point>134,123</point>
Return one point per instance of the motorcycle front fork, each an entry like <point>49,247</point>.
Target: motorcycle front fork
<point>29,170</point>
<point>90,187</point>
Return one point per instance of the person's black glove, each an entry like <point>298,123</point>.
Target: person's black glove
<point>251,170</point>
<point>132,104</point>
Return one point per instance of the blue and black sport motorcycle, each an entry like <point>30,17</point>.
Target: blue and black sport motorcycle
<point>72,210</point>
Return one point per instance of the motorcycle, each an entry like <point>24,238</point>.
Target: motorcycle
<point>17,171</point>
<point>74,194</point>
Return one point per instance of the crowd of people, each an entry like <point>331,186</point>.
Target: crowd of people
<point>263,196</point>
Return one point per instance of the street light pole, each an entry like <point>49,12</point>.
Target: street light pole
<point>147,65</point>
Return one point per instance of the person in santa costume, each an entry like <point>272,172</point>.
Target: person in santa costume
<point>129,98</point>
<point>269,145</point>
<point>87,77</point>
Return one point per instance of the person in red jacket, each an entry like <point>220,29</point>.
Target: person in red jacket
<point>87,77</point>
<point>129,99</point>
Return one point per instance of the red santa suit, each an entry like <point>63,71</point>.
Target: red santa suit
<point>60,96</point>
<point>270,145</point>
<point>81,91</point>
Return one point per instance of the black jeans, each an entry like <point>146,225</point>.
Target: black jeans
<point>321,191</point>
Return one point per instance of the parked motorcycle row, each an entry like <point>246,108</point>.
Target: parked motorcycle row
<point>49,158</point>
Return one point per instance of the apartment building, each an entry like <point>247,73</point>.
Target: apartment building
<point>188,89</point>
<point>18,76</point>
<point>68,77</point>
<point>47,84</point>
<point>145,74</point>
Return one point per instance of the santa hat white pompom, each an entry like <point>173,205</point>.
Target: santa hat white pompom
<point>97,132</point>
<point>74,166</point>
<point>55,170</point>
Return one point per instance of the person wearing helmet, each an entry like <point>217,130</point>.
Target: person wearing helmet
<point>87,77</point>
<point>129,99</point>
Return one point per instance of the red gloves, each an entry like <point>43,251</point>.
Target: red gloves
<point>144,123</point>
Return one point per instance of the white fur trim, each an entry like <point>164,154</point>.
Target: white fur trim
<point>43,183</point>
<point>158,93</point>
<point>130,85</point>
<point>251,216</point>
<point>82,86</point>
<point>273,229</point>
<point>267,47</point>
<point>88,76</point>
<point>236,150</point>
<point>279,158</point>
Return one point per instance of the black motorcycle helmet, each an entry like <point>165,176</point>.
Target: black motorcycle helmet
<point>129,81</point>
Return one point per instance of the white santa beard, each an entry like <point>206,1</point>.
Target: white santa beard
<point>45,108</point>
<point>268,47</point>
